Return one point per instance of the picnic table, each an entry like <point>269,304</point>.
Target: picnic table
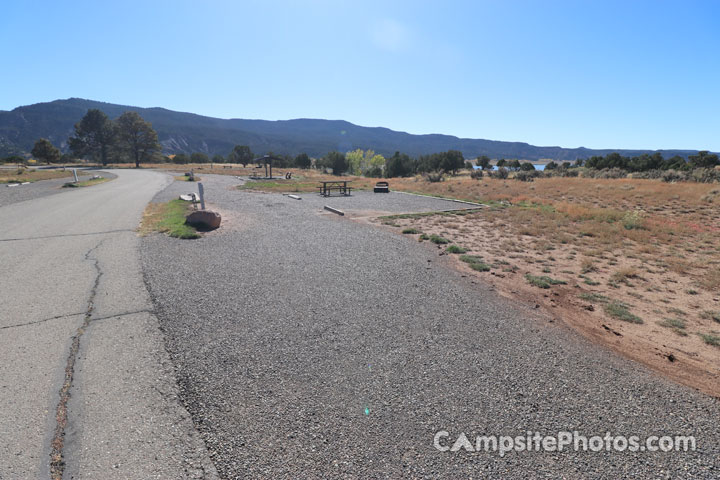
<point>340,186</point>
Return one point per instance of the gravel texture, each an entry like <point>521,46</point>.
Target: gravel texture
<point>311,346</point>
<point>21,193</point>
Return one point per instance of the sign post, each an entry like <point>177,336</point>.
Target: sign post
<point>75,175</point>
<point>201,191</point>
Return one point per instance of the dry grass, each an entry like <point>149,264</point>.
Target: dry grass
<point>30,175</point>
<point>651,247</point>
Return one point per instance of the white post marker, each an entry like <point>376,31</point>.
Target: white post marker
<point>201,191</point>
<point>75,175</point>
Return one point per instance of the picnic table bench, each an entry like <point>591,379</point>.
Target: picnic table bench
<point>340,186</point>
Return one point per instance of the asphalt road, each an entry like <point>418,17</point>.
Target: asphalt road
<point>83,370</point>
<point>22,193</point>
<point>312,346</point>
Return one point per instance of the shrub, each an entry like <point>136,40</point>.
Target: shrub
<point>543,281</point>
<point>705,175</point>
<point>673,176</point>
<point>676,324</point>
<point>605,173</point>
<point>649,174</point>
<point>476,174</point>
<point>710,339</point>
<point>410,231</point>
<point>501,173</point>
<point>620,311</point>
<point>455,249</point>
<point>374,172</point>
<point>634,220</point>
<point>434,177</point>
<point>437,239</point>
<point>527,175</point>
<point>475,262</point>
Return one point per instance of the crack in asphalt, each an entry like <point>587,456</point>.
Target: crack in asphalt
<point>56,317</point>
<point>124,314</point>
<point>66,235</point>
<point>57,463</point>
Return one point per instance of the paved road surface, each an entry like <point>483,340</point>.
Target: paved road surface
<point>287,324</point>
<point>73,301</point>
<point>22,193</point>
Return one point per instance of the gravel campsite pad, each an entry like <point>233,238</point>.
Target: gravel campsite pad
<point>311,345</point>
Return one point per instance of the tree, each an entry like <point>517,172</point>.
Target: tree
<point>675,163</point>
<point>181,158</point>
<point>527,167</point>
<point>303,161</point>
<point>136,137</point>
<point>360,162</point>
<point>513,164</point>
<point>551,166</point>
<point>94,136</point>
<point>501,163</point>
<point>483,162</point>
<point>399,165</point>
<point>703,159</point>
<point>452,161</point>
<point>45,151</point>
<point>241,154</point>
<point>199,157</point>
<point>217,158</point>
<point>336,161</point>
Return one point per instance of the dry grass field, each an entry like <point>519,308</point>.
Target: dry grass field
<point>632,264</point>
<point>10,175</point>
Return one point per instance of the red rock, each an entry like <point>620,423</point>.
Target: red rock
<point>205,219</point>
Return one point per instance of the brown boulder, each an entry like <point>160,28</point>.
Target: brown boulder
<point>204,219</point>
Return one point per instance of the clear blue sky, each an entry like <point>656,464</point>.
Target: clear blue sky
<point>600,74</point>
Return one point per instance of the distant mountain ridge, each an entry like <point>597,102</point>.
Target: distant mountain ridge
<point>181,132</point>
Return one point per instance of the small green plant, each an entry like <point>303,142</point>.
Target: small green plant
<point>437,239</point>
<point>480,267</point>
<point>475,262</point>
<point>411,231</point>
<point>634,220</point>
<point>594,297</point>
<point>709,315</point>
<point>677,325</point>
<point>620,311</point>
<point>455,249</point>
<point>710,339</point>
<point>543,281</point>
<point>589,281</point>
<point>423,237</point>
<point>691,291</point>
